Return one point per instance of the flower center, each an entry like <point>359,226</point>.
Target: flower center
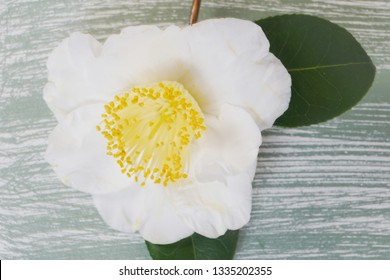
<point>149,131</point>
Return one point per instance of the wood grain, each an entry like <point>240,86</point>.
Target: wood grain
<point>320,192</point>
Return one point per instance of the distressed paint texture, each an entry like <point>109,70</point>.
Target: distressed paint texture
<point>319,192</point>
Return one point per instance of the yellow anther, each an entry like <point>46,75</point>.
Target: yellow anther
<point>149,131</point>
<point>135,99</point>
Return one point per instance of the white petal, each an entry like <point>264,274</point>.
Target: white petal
<point>123,58</point>
<point>130,38</point>
<point>144,209</point>
<point>50,95</point>
<point>231,64</point>
<point>67,88</point>
<point>81,70</point>
<point>264,87</point>
<point>229,146</point>
<point>140,56</point>
<point>77,153</point>
<point>212,208</point>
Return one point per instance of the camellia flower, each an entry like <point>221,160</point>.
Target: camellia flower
<point>162,126</point>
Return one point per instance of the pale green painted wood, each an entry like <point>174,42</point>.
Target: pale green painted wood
<point>319,192</point>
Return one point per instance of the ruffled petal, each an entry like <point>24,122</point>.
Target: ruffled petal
<point>77,153</point>
<point>68,85</point>
<point>82,71</point>
<point>139,56</point>
<point>144,209</point>
<point>212,208</point>
<point>133,37</point>
<point>231,63</point>
<point>229,146</point>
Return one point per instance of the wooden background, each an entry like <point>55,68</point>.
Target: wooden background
<point>320,192</point>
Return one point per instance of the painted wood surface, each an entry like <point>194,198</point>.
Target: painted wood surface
<point>319,192</point>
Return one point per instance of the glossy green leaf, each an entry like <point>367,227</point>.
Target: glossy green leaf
<point>197,247</point>
<point>330,71</point>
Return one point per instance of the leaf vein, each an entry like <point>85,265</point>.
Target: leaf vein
<point>326,66</point>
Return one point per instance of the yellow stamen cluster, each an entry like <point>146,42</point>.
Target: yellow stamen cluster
<point>149,131</point>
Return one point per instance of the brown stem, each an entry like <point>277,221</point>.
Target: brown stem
<point>194,11</point>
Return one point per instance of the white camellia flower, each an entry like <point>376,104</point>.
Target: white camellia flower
<point>162,126</point>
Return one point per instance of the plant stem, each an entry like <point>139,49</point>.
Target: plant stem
<point>194,11</point>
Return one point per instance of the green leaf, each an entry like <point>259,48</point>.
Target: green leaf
<point>197,247</point>
<point>330,71</point>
